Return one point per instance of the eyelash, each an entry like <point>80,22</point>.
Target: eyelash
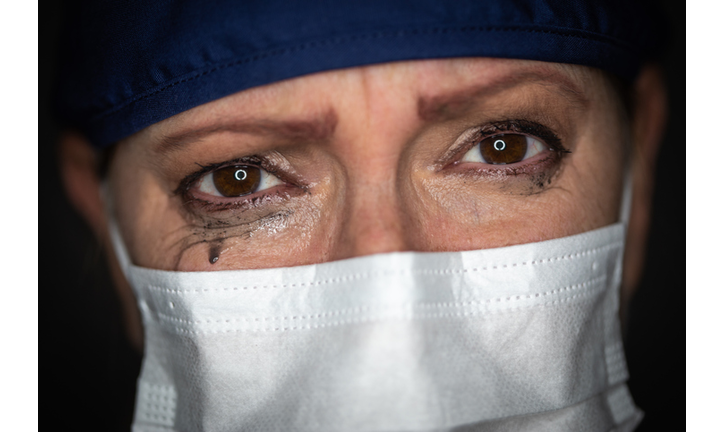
<point>520,127</point>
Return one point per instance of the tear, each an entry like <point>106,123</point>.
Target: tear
<point>214,252</point>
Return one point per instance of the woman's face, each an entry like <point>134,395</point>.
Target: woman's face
<point>441,155</point>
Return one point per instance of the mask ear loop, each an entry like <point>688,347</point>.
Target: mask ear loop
<point>119,246</point>
<point>624,218</point>
<point>626,199</point>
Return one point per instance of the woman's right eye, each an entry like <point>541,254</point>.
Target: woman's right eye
<point>237,181</point>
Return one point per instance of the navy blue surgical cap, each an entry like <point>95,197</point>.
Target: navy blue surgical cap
<point>128,64</point>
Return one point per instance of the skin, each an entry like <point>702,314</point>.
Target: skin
<point>371,161</point>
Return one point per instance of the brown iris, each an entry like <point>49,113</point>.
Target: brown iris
<point>238,180</point>
<point>504,149</point>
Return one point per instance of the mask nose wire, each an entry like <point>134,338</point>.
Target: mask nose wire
<point>119,246</point>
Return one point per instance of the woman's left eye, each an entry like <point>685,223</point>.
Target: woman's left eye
<point>237,181</point>
<point>504,149</point>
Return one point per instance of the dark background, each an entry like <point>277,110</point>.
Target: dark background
<point>89,370</point>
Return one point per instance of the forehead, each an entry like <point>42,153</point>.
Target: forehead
<point>435,85</point>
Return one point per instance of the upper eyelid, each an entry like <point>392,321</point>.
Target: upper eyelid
<point>522,127</point>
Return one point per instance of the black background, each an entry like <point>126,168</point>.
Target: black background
<point>88,370</point>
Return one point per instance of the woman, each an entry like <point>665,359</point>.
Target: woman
<point>261,139</point>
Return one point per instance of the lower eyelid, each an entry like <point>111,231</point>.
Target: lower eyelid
<point>202,205</point>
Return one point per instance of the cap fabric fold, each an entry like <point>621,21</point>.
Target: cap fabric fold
<point>129,64</point>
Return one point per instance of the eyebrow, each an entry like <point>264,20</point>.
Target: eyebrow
<point>448,105</point>
<point>317,129</point>
<point>429,108</point>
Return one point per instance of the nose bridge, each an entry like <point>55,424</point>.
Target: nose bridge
<point>372,137</point>
<point>372,221</point>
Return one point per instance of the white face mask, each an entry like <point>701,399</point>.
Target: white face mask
<point>521,338</point>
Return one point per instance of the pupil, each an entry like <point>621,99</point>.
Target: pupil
<point>499,145</point>
<point>237,180</point>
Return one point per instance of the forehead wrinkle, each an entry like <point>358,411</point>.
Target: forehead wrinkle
<point>318,128</point>
<point>445,106</point>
